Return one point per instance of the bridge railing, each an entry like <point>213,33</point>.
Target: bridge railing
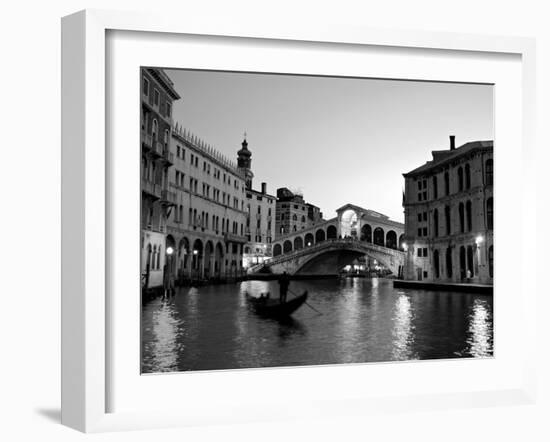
<point>322,225</point>
<point>347,243</point>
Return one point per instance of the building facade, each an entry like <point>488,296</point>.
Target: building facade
<point>206,225</point>
<point>293,214</point>
<point>448,204</point>
<point>260,208</point>
<point>157,97</point>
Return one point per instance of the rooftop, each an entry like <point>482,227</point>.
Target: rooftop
<point>205,148</point>
<point>165,81</point>
<point>444,157</point>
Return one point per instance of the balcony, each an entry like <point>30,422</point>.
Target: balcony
<point>168,198</point>
<point>150,188</point>
<point>232,237</point>
<point>158,148</point>
<point>163,152</point>
<point>146,140</point>
<point>168,156</point>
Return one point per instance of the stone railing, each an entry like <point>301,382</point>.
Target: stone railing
<point>232,237</point>
<point>150,187</point>
<point>322,225</point>
<point>345,244</point>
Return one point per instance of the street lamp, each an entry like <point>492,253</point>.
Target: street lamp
<point>309,244</point>
<point>194,262</point>
<point>479,240</point>
<point>168,268</point>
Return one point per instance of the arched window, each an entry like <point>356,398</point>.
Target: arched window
<point>489,172</point>
<point>469,216</point>
<point>379,236</point>
<point>331,232</point>
<point>436,263</point>
<point>149,252</point>
<point>319,236</point>
<point>155,130</point>
<point>298,243</point>
<point>154,261</point>
<point>153,170</point>
<point>460,179</point>
<point>277,250</point>
<point>159,252</point>
<point>294,217</point>
<point>303,219</point>
<point>434,184</point>
<point>144,167</point>
<point>449,262</point>
<point>366,233</point>
<point>447,220</point>
<point>391,240</point>
<point>436,223</point>
<point>491,261</point>
<point>467,176</point>
<point>446,176</point>
<point>490,213</point>
<point>462,262</point>
<point>470,261</point>
<point>461,216</point>
<point>287,246</point>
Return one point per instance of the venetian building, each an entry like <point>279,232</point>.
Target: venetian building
<point>206,225</point>
<point>260,208</point>
<point>157,96</point>
<point>448,205</point>
<point>293,214</point>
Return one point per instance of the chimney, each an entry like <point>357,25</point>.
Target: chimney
<point>264,186</point>
<point>452,140</point>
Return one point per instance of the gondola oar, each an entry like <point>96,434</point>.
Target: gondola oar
<point>307,303</point>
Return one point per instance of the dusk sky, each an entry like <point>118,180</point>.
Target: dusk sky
<point>337,140</point>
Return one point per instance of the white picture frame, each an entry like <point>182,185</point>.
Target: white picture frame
<point>87,318</point>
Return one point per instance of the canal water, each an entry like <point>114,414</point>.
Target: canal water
<point>362,320</point>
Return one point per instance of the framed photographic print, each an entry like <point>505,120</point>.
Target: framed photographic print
<point>256,208</point>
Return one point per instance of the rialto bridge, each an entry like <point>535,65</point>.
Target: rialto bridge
<point>328,246</point>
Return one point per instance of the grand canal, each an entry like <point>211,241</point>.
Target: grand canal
<point>362,320</point>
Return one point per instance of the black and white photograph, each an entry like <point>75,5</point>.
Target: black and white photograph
<point>294,220</point>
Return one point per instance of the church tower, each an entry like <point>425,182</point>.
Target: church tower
<point>244,163</point>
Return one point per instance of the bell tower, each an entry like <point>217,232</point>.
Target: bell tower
<point>244,162</point>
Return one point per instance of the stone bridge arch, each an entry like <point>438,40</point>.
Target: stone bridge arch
<point>336,253</point>
<point>316,234</point>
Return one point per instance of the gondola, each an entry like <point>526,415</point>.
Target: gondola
<point>272,308</point>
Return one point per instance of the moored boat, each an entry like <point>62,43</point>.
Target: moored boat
<point>272,308</point>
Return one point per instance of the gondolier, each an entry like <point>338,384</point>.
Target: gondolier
<point>272,308</point>
<point>284,282</point>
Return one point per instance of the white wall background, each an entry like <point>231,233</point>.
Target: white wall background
<point>30,221</point>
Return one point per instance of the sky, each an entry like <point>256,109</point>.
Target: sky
<point>336,140</point>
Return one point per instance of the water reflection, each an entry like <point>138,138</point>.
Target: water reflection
<point>161,339</point>
<point>480,339</point>
<point>403,337</point>
<point>362,320</point>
